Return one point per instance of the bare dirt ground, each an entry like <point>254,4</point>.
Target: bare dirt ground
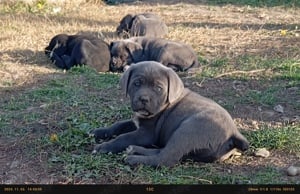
<point>227,31</point>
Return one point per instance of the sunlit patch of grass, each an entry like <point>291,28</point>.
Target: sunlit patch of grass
<point>252,66</point>
<point>284,138</point>
<point>66,106</point>
<point>265,97</point>
<point>38,6</point>
<point>289,70</point>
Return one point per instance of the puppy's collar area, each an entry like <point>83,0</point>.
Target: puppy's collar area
<point>143,114</point>
<point>182,95</point>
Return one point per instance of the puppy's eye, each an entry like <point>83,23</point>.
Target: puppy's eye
<point>158,88</point>
<point>137,83</point>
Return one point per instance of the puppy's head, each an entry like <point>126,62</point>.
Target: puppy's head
<point>57,43</point>
<point>151,87</point>
<point>123,53</point>
<point>125,25</point>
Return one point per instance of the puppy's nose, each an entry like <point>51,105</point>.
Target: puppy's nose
<point>144,99</point>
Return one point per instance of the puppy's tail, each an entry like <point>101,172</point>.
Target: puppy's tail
<point>240,142</point>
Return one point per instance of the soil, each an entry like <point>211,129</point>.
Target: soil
<point>217,31</point>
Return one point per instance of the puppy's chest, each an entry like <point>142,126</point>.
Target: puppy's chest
<point>166,128</point>
<point>160,128</point>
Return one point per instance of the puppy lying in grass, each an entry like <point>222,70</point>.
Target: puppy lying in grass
<point>170,122</point>
<point>143,24</point>
<point>66,51</point>
<point>176,55</point>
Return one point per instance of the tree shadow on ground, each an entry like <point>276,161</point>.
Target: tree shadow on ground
<point>255,3</point>
<point>27,57</point>
<point>240,26</point>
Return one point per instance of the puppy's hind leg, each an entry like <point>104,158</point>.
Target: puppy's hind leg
<point>58,61</point>
<point>68,61</point>
<point>180,143</point>
<point>153,157</point>
<point>139,150</point>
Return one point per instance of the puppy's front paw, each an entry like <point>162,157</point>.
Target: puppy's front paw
<point>99,134</point>
<point>130,150</point>
<point>132,160</point>
<point>101,148</point>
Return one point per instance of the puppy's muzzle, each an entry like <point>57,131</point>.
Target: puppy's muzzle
<point>144,99</point>
<point>142,106</point>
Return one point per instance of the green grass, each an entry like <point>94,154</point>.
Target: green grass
<point>284,138</point>
<point>82,99</point>
<point>37,7</point>
<point>265,97</point>
<point>266,174</point>
<point>242,66</point>
<point>70,151</point>
<point>289,70</point>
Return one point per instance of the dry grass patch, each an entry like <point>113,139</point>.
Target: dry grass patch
<point>250,58</point>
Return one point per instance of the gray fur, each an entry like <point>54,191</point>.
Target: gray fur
<point>176,55</point>
<point>143,24</point>
<point>171,123</point>
<point>66,51</point>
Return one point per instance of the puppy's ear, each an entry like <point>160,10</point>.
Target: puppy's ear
<point>111,45</point>
<point>124,81</point>
<point>135,51</point>
<point>175,88</point>
<point>127,21</point>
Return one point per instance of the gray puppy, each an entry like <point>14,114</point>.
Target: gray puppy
<point>66,51</point>
<point>143,24</point>
<point>176,55</point>
<point>170,123</point>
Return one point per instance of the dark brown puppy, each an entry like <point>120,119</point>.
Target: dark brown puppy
<point>143,24</point>
<point>170,122</point>
<point>67,51</point>
<point>176,55</point>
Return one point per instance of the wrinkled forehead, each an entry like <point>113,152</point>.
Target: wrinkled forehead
<point>150,67</point>
<point>151,72</point>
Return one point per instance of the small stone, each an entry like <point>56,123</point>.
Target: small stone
<point>293,171</point>
<point>44,105</point>
<point>278,108</point>
<point>255,124</point>
<point>262,152</point>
